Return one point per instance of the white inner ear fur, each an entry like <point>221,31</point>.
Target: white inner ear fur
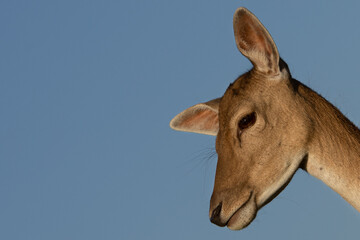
<point>261,63</point>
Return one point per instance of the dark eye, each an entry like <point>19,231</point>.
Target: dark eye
<point>247,121</point>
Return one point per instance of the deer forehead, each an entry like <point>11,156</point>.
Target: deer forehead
<point>251,93</point>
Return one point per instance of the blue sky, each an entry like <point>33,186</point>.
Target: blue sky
<point>87,90</point>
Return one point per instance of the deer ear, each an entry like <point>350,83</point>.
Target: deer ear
<point>201,118</point>
<point>255,42</point>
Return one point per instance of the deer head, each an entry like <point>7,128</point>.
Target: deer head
<point>262,131</point>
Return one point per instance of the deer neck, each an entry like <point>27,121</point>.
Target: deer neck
<point>334,148</point>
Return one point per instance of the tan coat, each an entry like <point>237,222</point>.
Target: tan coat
<point>268,125</point>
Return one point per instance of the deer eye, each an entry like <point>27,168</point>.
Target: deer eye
<point>247,121</point>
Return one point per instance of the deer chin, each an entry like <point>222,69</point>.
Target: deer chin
<point>244,215</point>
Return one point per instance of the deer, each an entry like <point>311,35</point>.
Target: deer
<point>267,126</point>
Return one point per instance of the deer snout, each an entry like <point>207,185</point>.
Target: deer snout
<point>215,216</point>
<point>215,211</point>
<point>232,210</point>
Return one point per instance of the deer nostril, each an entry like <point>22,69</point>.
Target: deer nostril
<point>215,216</point>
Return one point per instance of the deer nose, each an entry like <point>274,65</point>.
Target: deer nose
<point>215,216</point>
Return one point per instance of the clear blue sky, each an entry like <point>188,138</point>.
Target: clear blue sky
<point>87,90</point>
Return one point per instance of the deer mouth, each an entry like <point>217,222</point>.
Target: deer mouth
<point>244,215</point>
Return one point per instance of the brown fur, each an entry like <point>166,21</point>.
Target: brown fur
<point>295,127</point>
